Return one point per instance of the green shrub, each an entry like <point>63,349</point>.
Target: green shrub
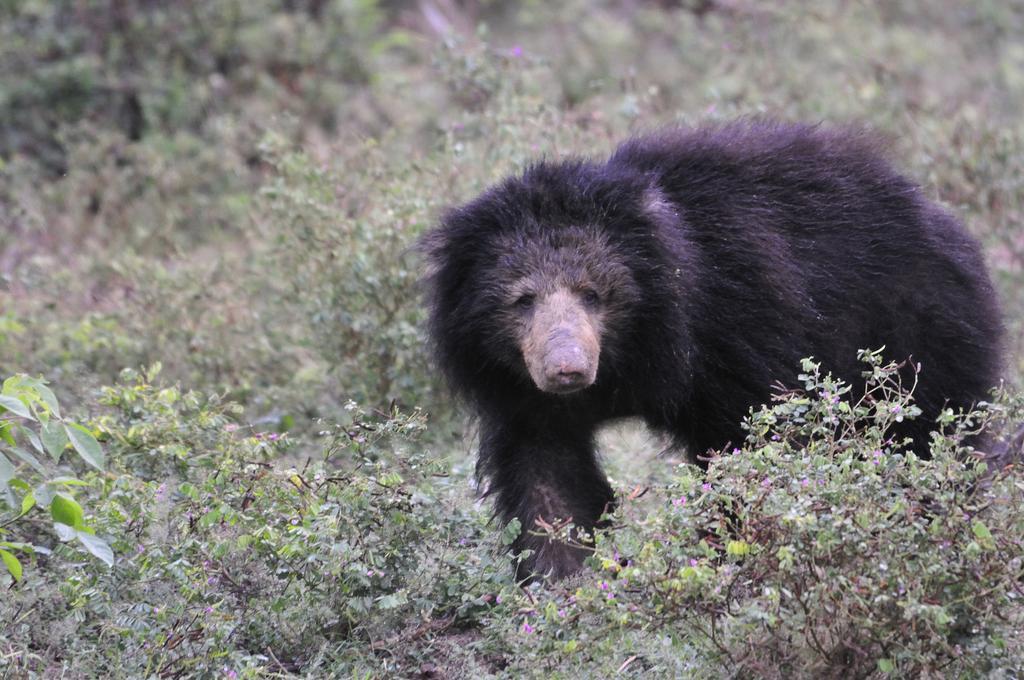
<point>353,281</point>
<point>229,554</point>
<point>33,438</point>
<point>822,548</point>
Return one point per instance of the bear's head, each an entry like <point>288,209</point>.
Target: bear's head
<point>564,293</point>
<point>542,277</point>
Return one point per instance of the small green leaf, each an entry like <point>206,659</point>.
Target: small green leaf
<point>12,384</point>
<point>48,398</point>
<point>64,532</point>
<point>5,433</point>
<point>392,600</point>
<point>65,510</point>
<point>886,665</point>
<point>15,406</point>
<point>43,494</point>
<point>12,564</point>
<point>66,481</point>
<point>738,548</point>
<point>18,545</point>
<point>28,458</point>
<point>98,547</point>
<point>511,531</point>
<point>983,535</point>
<point>6,471</point>
<point>33,439</point>
<point>27,503</point>
<point>54,438</point>
<point>86,445</point>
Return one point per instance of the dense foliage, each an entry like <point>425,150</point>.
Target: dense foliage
<point>213,458</point>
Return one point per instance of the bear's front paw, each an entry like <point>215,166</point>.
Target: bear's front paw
<point>551,560</point>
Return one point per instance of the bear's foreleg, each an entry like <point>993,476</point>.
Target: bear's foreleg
<point>545,479</point>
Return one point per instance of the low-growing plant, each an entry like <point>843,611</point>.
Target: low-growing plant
<point>34,436</point>
<point>155,431</point>
<point>821,548</point>
<point>236,551</point>
<point>353,281</point>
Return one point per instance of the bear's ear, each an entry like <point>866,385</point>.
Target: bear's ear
<point>657,207</point>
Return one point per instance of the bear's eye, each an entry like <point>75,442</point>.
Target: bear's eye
<point>525,301</point>
<point>590,297</point>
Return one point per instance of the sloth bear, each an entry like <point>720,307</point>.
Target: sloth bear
<point>679,281</point>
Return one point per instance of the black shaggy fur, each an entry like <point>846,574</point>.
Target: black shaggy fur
<point>724,255</point>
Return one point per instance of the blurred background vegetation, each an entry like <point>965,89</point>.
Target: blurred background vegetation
<point>231,188</point>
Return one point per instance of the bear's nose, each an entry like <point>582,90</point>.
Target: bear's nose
<point>567,361</point>
<point>570,375</point>
<point>567,368</point>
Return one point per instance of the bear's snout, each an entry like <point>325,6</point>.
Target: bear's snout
<point>566,365</point>
<point>562,346</point>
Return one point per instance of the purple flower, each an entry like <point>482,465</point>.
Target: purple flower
<point>805,482</point>
<point>517,51</point>
<point>603,585</point>
<point>527,628</point>
<point>694,562</point>
<point>766,482</point>
<point>679,502</point>
<point>706,486</point>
